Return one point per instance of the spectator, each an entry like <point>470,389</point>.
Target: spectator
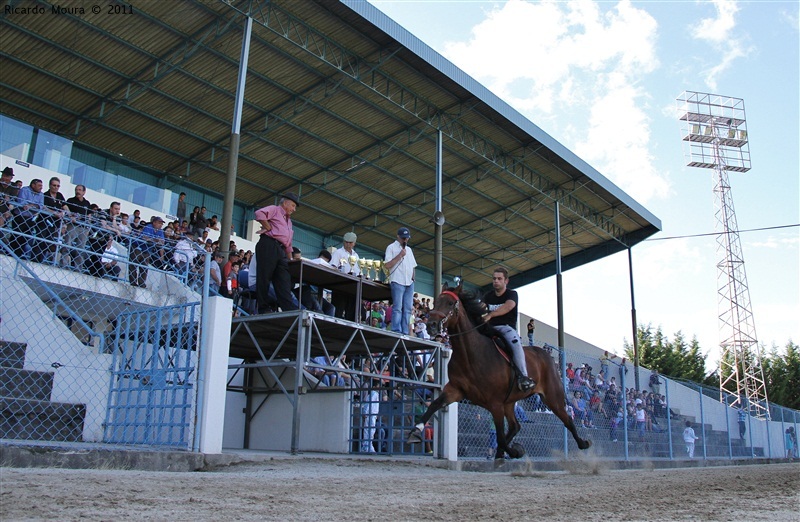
<point>77,230</point>
<point>216,271</point>
<point>401,264</point>
<point>30,203</point>
<point>109,262</point>
<point>616,420</point>
<point>596,405</point>
<point>570,372</point>
<point>370,407</point>
<point>200,223</point>
<point>641,420</point>
<point>742,415</point>
<point>342,258</point>
<point>180,212</point>
<point>125,225</point>
<point>531,328</point>
<point>184,254</point>
<point>582,413</point>
<point>689,438</point>
<point>655,382</point>
<point>273,251</point>
<point>145,248</point>
<point>8,193</point>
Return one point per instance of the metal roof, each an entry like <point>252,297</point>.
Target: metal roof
<point>342,105</point>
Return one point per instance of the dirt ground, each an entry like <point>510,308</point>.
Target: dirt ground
<point>333,489</point>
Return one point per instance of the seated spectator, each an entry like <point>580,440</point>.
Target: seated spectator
<point>184,254</point>
<point>596,405</point>
<point>582,414</point>
<point>570,372</point>
<point>110,261</point>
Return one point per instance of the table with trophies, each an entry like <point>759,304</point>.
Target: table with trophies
<point>369,282</point>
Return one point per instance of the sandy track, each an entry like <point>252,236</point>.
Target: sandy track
<point>347,489</point>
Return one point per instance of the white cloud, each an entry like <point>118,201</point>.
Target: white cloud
<point>574,59</point>
<point>719,32</point>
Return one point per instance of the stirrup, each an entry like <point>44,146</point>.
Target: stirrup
<point>525,383</point>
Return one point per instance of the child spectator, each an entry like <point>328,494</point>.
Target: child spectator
<point>689,438</point>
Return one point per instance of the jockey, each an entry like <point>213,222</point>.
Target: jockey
<point>502,304</point>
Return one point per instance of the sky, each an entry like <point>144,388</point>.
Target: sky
<point>603,81</point>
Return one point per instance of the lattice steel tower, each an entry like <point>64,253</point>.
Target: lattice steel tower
<point>714,131</point>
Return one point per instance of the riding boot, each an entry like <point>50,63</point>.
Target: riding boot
<point>524,382</point>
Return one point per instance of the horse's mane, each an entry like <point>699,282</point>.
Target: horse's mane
<point>473,305</point>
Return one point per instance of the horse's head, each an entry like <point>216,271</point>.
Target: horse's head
<point>445,310</point>
<point>453,306</point>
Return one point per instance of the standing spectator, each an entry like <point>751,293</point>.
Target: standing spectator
<point>77,231</point>
<point>273,251</point>
<point>655,383</point>
<point>8,191</point>
<point>641,420</point>
<point>402,265</point>
<point>791,443</point>
<point>200,223</point>
<point>531,328</point>
<point>346,304</point>
<point>149,245</point>
<point>216,271</point>
<point>689,438</point>
<point>30,203</point>
<point>742,414</point>
<point>370,407</point>
<point>180,212</point>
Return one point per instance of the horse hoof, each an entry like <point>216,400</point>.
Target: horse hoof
<point>515,451</point>
<point>585,445</point>
<point>415,437</point>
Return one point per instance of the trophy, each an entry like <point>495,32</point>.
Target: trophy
<point>352,260</point>
<point>362,263</point>
<point>385,271</point>
<point>342,263</point>
<point>370,267</point>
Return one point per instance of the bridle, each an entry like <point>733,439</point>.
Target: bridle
<point>454,313</point>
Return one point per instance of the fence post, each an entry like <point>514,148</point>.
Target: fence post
<point>669,417</point>
<point>702,421</point>
<point>728,424</point>
<point>562,357</point>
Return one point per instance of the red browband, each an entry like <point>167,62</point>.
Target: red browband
<point>451,294</point>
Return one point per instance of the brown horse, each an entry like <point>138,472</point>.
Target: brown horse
<point>478,372</point>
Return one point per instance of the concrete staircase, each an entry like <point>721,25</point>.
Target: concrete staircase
<point>26,409</point>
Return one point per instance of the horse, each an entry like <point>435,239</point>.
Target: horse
<point>480,373</point>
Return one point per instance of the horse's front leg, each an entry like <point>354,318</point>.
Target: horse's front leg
<point>514,450</point>
<point>449,395</point>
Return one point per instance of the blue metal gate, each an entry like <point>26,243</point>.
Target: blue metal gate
<point>152,396</point>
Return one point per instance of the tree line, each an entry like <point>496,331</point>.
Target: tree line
<point>679,358</point>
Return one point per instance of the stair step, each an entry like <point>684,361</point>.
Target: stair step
<point>41,420</point>
<point>25,384</point>
<point>12,354</point>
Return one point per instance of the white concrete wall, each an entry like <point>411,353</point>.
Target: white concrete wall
<point>83,374</point>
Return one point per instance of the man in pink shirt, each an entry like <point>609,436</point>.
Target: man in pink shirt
<point>273,251</point>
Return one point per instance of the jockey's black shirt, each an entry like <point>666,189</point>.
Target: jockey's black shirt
<point>493,302</point>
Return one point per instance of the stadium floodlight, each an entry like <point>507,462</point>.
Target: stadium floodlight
<point>723,146</point>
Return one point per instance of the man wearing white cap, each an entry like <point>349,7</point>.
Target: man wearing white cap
<point>346,304</point>
<point>402,266</point>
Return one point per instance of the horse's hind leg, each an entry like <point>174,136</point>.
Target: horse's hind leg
<point>449,395</point>
<point>560,411</point>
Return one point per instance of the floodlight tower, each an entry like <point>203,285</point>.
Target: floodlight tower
<point>714,130</point>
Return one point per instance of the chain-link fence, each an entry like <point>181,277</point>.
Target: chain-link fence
<point>100,324</point>
<point>624,421</point>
